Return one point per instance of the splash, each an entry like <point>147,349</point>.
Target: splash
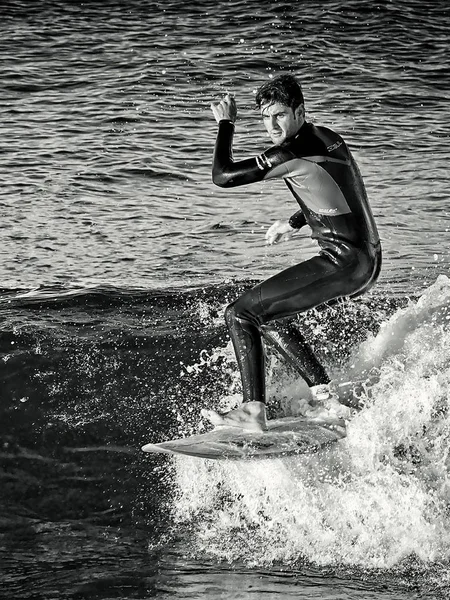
<point>375,499</point>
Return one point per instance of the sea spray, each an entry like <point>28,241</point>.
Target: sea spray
<point>377,498</point>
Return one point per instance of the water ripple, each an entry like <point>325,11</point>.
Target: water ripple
<point>108,113</point>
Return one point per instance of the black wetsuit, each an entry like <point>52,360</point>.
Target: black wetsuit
<point>321,173</point>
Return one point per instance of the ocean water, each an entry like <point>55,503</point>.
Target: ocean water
<point>118,257</point>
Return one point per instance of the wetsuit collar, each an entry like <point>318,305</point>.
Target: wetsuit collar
<point>301,130</point>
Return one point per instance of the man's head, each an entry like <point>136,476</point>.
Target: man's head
<point>282,107</point>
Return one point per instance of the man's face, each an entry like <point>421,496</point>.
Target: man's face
<point>281,121</point>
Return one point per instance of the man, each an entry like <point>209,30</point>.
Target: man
<point>322,175</point>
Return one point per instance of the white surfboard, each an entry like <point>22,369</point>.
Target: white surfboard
<point>284,437</point>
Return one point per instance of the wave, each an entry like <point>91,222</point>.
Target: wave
<point>378,499</point>
<point>89,375</point>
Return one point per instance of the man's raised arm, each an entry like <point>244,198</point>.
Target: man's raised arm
<point>226,172</point>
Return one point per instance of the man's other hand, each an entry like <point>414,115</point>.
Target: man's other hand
<point>280,231</point>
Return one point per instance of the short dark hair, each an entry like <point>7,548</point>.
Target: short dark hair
<point>284,89</point>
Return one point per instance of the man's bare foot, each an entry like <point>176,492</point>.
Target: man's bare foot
<point>250,416</point>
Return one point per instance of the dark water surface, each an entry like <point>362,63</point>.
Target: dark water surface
<point>118,257</point>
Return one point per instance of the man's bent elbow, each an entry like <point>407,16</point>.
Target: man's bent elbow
<point>222,179</point>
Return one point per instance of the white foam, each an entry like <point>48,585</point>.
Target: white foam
<point>374,499</point>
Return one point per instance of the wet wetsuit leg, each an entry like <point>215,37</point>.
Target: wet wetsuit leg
<point>290,344</point>
<point>288,293</point>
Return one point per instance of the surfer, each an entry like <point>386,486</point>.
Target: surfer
<point>323,177</point>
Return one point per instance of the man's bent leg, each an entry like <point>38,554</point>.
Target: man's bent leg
<point>287,341</point>
<point>292,291</point>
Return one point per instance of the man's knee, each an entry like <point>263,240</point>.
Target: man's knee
<point>230,314</point>
<point>245,309</point>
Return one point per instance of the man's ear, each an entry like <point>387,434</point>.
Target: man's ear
<point>300,111</point>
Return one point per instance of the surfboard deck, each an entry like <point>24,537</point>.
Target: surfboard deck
<point>284,437</point>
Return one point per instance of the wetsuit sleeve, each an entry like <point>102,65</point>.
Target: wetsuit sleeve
<point>227,172</point>
<point>297,220</point>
